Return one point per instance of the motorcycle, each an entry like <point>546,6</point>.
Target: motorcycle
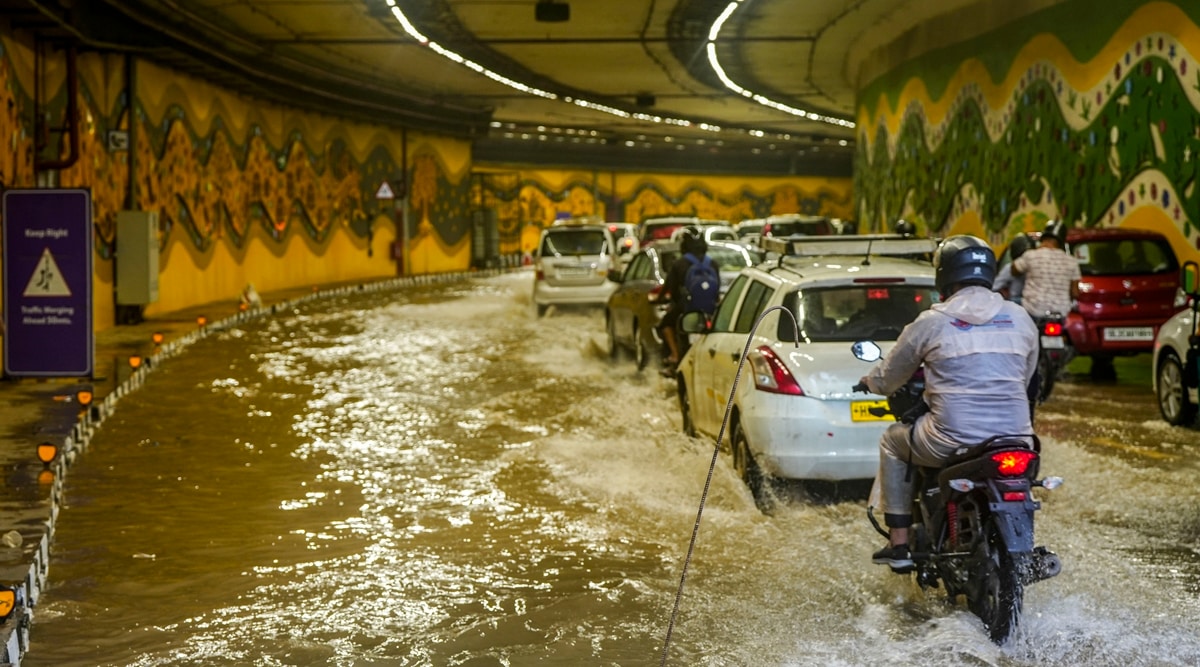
<point>1053,352</point>
<point>973,517</point>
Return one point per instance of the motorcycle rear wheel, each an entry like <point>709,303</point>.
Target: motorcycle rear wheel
<point>1048,372</point>
<point>995,592</point>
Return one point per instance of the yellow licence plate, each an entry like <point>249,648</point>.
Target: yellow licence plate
<point>860,411</point>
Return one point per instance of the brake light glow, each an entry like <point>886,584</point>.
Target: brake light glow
<point>1013,462</point>
<point>1052,329</point>
<point>653,294</point>
<point>771,375</point>
<point>877,294</point>
<point>1013,496</point>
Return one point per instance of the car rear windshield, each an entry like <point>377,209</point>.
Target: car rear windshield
<point>805,227</point>
<point>1125,257</point>
<point>574,242</point>
<point>661,232</point>
<point>731,259</point>
<point>855,312</point>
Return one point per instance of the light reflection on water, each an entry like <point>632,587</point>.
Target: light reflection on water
<point>438,478</point>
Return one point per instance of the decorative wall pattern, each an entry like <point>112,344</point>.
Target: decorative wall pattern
<point>1041,119</point>
<point>527,201</point>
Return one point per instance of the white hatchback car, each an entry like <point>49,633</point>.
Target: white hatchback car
<point>572,265</point>
<point>1176,360</point>
<point>794,414</point>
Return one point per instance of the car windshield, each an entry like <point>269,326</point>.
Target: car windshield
<point>574,242</point>
<point>733,259</point>
<point>855,312</point>
<point>1124,257</point>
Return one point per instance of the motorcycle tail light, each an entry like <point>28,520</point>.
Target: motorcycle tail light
<point>654,293</point>
<point>1014,461</point>
<point>1013,496</point>
<point>771,374</point>
<point>1052,329</point>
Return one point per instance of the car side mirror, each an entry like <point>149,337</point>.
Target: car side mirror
<point>867,350</point>
<point>1189,279</point>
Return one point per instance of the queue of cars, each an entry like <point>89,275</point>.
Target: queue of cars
<point>797,303</point>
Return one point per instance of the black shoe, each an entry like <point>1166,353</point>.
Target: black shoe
<point>897,557</point>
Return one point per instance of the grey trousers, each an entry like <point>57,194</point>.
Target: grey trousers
<point>893,489</point>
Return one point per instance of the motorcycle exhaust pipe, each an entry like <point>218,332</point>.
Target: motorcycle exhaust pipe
<point>1046,564</point>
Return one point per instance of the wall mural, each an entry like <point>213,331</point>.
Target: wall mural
<point>1037,132</point>
<point>527,201</point>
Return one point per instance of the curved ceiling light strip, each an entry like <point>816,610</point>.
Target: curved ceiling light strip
<point>517,85</point>
<point>711,47</point>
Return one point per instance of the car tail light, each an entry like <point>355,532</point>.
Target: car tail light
<point>1052,329</point>
<point>1014,461</point>
<point>771,375</point>
<point>540,274</point>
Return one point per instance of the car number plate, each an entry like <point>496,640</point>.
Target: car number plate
<point>1053,342</point>
<point>1129,333</point>
<point>860,411</point>
<point>574,270</point>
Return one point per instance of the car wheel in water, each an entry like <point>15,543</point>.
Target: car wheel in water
<point>641,354</point>
<point>1173,401</point>
<point>685,410</point>
<point>614,347</point>
<point>747,468</point>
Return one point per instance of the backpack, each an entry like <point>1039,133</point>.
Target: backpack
<point>701,285</point>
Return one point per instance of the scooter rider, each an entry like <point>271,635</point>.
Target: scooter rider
<point>1051,275</point>
<point>979,353</point>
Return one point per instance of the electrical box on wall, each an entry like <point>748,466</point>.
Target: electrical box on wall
<point>137,257</point>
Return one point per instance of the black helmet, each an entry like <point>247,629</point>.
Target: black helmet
<point>905,228</point>
<point>691,239</point>
<point>1057,230</point>
<point>963,260</point>
<point>1020,243</point>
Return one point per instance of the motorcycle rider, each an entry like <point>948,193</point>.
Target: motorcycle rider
<point>691,242</point>
<point>1051,275</point>
<point>979,354</point>
<point>1007,284</point>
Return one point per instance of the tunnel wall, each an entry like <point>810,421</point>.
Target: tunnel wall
<point>246,192</point>
<point>1071,112</point>
<point>527,199</point>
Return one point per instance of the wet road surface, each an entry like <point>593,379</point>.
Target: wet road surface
<point>436,477</point>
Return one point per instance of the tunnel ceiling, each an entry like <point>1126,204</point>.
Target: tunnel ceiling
<point>618,76</point>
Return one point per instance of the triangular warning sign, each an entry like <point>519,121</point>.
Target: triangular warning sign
<point>385,191</point>
<point>47,280</point>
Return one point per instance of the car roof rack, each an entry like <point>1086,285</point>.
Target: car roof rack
<point>896,245</point>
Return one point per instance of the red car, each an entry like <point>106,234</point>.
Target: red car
<point>1129,288</point>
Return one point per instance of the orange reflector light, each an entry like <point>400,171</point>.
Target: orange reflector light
<point>8,602</point>
<point>46,451</point>
<point>202,320</point>
<point>135,361</point>
<point>243,306</point>
<point>1052,329</point>
<point>84,397</point>
<point>157,337</point>
<point>1013,496</point>
<point>1013,462</point>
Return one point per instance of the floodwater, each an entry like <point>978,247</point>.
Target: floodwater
<point>436,477</point>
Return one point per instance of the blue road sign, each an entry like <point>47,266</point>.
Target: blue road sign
<point>48,283</point>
